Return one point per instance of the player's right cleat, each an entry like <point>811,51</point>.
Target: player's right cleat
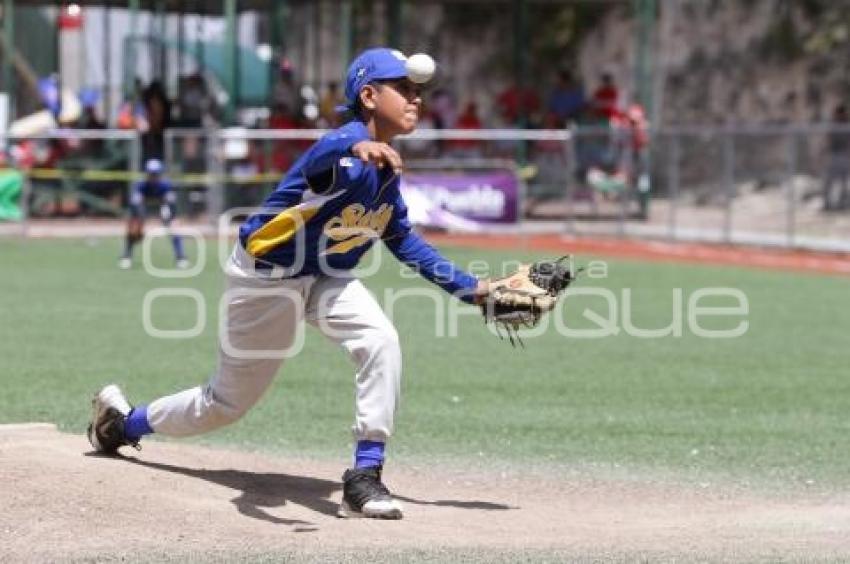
<point>109,411</point>
<point>124,263</point>
<point>182,264</point>
<point>364,495</point>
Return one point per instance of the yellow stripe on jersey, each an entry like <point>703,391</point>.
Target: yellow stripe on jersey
<point>281,228</point>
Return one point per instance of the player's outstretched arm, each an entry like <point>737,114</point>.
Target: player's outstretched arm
<point>415,252</point>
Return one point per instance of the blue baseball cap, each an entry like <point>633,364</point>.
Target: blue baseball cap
<point>373,64</point>
<point>153,166</point>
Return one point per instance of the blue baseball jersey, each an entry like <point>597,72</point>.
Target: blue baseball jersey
<point>161,189</point>
<point>329,210</point>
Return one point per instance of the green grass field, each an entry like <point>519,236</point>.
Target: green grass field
<point>772,406</point>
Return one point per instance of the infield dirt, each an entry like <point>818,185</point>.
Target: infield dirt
<point>180,502</point>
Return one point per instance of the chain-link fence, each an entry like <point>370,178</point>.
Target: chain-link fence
<point>778,185</point>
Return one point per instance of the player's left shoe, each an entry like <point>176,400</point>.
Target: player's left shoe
<point>182,264</point>
<point>365,495</point>
<point>106,429</point>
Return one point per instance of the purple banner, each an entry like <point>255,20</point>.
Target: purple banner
<point>489,197</point>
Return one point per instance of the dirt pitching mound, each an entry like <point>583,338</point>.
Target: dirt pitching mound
<point>179,502</point>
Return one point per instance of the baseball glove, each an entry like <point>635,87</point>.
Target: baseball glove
<point>521,299</point>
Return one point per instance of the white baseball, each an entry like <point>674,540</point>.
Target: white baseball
<point>420,67</point>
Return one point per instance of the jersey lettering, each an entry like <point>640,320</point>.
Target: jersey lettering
<point>355,226</point>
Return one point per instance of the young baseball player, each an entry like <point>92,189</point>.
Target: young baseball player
<point>292,263</point>
<point>155,187</point>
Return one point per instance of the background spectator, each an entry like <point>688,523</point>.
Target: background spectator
<point>515,104</point>
<point>194,102</point>
<point>328,104</point>
<point>566,100</point>
<point>466,148</point>
<point>286,91</point>
<point>282,118</point>
<point>443,112</point>
<point>90,120</point>
<point>158,111</point>
<point>606,98</point>
<point>838,161</point>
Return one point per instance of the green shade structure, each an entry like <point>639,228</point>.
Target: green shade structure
<point>11,182</point>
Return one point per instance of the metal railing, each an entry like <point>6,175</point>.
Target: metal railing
<point>750,185</point>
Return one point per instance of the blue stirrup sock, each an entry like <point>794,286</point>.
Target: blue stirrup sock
<point>177,243</point>
<point>136,425</point>
<point>368,454</point>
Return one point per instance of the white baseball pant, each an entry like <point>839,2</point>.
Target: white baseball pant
<point>262,319</point>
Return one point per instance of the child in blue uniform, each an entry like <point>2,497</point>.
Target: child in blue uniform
<point>154,188</point>
<point>292,264</point>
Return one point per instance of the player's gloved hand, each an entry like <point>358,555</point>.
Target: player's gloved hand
<point>379,153</point>
<point>481,292</point>
<point>521,299</point>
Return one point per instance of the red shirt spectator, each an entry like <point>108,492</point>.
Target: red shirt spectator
<point>467,120</point>
<point>606,98</point>
<point>551,121</point>
<point>634,122</point>
<point>640,126</point>
<point>25,154</point>
<point>282,151</point>
<point>514,103</point>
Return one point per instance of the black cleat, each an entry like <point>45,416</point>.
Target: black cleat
<point>364,495</point>
<point>109,411</point>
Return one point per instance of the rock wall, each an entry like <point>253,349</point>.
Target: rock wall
<point>733,61</point>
